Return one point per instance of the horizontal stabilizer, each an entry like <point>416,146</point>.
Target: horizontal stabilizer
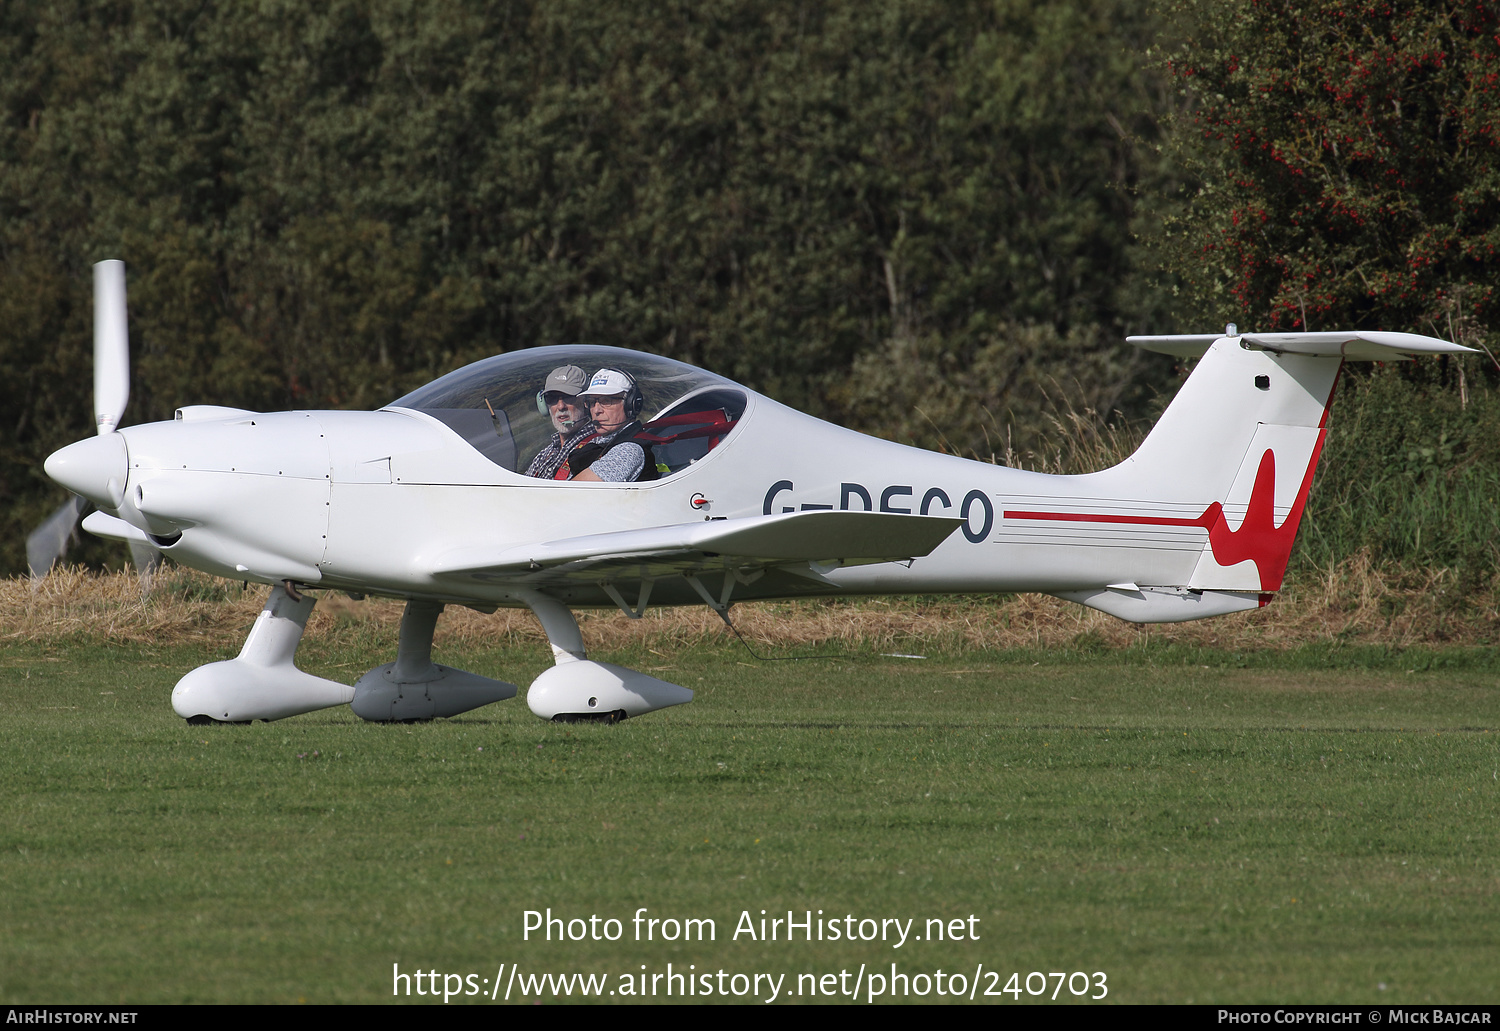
<point>1354,344</point>
<point>1165,604</point>
<point>847,537</point>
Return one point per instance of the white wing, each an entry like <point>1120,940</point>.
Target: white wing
<point>758,542</point>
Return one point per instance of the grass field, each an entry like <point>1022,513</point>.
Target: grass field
<point>1199,824</point>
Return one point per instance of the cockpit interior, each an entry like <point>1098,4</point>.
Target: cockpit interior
<point>495,404</point>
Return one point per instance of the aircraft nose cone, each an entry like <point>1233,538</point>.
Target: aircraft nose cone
<point>96,468</point>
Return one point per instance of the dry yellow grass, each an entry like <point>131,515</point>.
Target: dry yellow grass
<point>1353,603</point>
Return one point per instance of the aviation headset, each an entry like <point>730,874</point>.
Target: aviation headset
<point>634,401</point>
<point>541,403</point>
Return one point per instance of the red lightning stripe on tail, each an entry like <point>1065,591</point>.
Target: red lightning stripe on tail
<point>1258,539</point>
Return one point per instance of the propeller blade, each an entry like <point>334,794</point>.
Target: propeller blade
<point>146,559</point>
<point>111,346</point>
<point>48,543</point>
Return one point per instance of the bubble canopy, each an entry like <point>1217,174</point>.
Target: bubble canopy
<point>493,403</point>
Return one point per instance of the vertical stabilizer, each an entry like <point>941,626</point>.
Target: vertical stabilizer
<point>1196,452</point>
<point>1211,501</point>
<point>1243,437</point>
<point>1238,445</point>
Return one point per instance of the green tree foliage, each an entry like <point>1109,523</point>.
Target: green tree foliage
<point>1410,474</point>
<point>326,205</point>
<point>1346,157</point>
<point>1023,395</point>
<point>983,373</point>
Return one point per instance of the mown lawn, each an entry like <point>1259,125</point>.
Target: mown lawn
<point>1197,826</point>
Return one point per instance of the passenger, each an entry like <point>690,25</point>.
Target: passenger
<point>615,455</point>
<point>559,399</point>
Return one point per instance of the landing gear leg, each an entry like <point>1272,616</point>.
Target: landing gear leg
<point>414,687</point>
<point>262,683</point>
<point>577,689</point>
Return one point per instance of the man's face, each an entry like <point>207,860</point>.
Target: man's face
<point>608,412</point>
<point>567,411</point>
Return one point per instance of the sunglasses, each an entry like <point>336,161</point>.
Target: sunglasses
<point>553,397</point>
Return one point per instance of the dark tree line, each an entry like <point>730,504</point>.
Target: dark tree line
<point>327,207</point>
<point>931,219</point>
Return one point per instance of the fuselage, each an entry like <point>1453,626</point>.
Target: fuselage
<point>370,501</point>
<point>381,502</point>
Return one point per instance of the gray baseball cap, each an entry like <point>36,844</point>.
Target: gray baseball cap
<point>567,379</point>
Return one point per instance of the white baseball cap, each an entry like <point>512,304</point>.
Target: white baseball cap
<point>609,382</point>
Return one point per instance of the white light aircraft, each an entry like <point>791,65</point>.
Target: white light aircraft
<point>426,500</point>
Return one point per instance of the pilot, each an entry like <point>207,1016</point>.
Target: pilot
<point>618,454</point>
<point>559,399</point>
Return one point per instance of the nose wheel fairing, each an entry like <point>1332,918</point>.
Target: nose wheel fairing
<point>262,683</point>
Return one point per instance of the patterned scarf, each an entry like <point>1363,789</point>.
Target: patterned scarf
<point>554,456</point>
